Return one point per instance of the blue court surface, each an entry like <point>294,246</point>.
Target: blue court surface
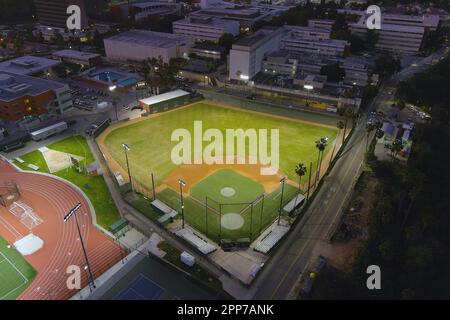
<point>142,288</point>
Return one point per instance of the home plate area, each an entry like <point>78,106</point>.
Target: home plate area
<point>57,160</point>
<point>232,221</point>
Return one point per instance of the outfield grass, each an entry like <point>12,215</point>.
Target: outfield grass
<point>94,187</point>
<point>256,218</point>
<point>151,145</point>
<point>16,274</point>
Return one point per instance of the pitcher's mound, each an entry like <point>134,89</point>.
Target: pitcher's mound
<point>227,192</point>
<point>29,244</point>
<point>232,221</point>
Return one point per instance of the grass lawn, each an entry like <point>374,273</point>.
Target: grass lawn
<point>255,219</point>
<point>94,187</point>
<point>16,274</point>
<point>151,145</point>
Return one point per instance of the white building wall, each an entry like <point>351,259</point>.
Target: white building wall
<point>126,51</point>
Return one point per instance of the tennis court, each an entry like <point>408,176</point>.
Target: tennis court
<point>142,288</point>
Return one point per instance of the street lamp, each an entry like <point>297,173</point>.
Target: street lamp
<point>308,88</point>
<point>182,184</point>
<point>282,181</point>
<point>112,89</point>
<point>70,214</point>
<point>126,148</point>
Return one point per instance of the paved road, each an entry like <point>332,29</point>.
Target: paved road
<point>295,254</point>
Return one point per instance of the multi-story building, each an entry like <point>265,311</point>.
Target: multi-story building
<point>357,71</point>
<point>247,54</point>
<point>321,24</point>
<point>29,65</point>
<point>402,34</point>
<point>312,40</point>
<point>205,28</point>
<point>138,45</point>
<point>53,13</point>
<point>22,95</point>
<point>87,59</point>
<point>280,62</point>
<point>247,16</point>
<point>145,9</point>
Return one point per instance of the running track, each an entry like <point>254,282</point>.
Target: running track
<point>51,199</point>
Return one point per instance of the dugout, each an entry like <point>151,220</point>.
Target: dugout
<point>165,101</point>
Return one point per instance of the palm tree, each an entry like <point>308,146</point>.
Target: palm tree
<point>320,145</point>
<point>300,170</point>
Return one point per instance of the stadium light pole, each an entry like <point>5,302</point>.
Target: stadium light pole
<point>308,88</point>
<point>112,89</point>
<point>70,214</point>
<point>182,184</point>
<point>126,148</point>
<point>282,181</point>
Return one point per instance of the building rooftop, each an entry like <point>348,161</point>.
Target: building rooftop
<point>150,38</point>
<point>205,21</point>
<point>27,65</point>
<point>74,54</point>
<point>164,97</point>
<point>257,36</point>
<point>13,86</point>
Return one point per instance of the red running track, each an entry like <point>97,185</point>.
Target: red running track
<point>51,199</point>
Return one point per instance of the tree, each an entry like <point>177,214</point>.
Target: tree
<point>371,39</point>
<point>320,146</point>
<point>395,147</point>
<point>333,72</point>
<point>300,171</point>
<point>401,105</point>
<point>339,29</point>
<point>226,41</point>
<point>387,65</point>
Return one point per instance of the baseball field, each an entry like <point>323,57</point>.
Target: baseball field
<point>241,201</point>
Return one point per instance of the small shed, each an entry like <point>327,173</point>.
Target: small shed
<point>94,169</point>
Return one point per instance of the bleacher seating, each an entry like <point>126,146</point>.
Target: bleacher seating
<point>201,245</point>
<point>271,239</point>
<point>164,208</point>
<point>168,216</point>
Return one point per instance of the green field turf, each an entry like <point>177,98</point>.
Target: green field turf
<point>246,189</point>
<point>256,218</point>
<point>94,187</point>
<point>16,274</point>
<point>151,145</point>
